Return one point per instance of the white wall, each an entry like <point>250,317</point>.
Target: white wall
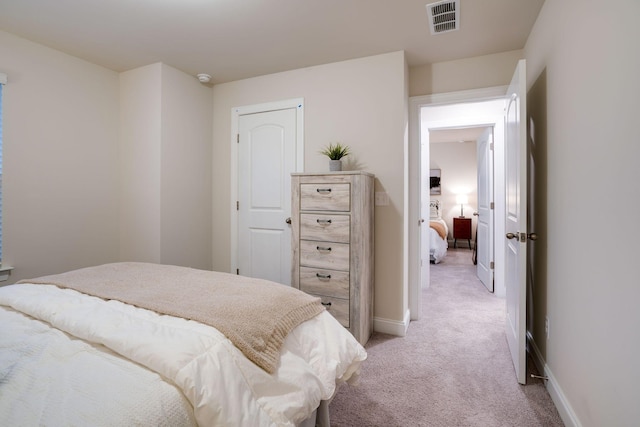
<point>187,108</point>
<point>101,167</point>
<point>458,164</point>
<point>361,103</point>
<point>140,156</point>
<point>583,68</point>
<point>165,167</point>
<point>463,74</point>
<point>60,184</point>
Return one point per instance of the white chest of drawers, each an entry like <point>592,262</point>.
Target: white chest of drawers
<point>332,242</point>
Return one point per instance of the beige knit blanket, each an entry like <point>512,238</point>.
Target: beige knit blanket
<point>256,315</point>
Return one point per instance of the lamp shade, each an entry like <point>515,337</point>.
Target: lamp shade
<point>462,199</point>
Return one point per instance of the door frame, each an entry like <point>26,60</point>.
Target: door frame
<point>236,112</point>
<point>416,273</point>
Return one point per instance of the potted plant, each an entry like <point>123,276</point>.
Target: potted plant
<point>335,153</point>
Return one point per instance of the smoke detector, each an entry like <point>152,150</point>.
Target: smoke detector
<point>204,78</point>
<point>444,16</point>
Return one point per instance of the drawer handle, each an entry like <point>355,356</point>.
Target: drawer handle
<point>323,276</point>
<point>323,190</point>
<point>326,304</point>
<point>323,221</point>
<point>320,248</point>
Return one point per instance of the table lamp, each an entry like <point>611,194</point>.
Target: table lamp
<point>462,199</point>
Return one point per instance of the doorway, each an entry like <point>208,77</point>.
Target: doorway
<point>510,186</point>
<point>464,158</point>
<point>458,154</point>
<point>447,111</point>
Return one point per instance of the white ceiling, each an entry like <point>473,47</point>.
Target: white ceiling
<point>235,39</point>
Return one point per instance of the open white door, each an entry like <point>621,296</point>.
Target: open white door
<point>425,199</point>
<point>516,219</point>
<point>266,159</point>
<point>484,233</point>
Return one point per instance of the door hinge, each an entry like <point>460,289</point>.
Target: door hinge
<point>491,146</point>
<point>491,206</point>
<point>238,138</point>
<point>491,265</point>
<point>237,205</point>
<point>238,271</point>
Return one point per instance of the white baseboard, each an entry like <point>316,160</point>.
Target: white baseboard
<point>555,391</point>
<point>392,327</point>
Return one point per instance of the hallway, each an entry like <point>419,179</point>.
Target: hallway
<point>452,368</point>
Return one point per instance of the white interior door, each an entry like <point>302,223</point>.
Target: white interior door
<point>516,219</point>
<point>425,199</point>
<point>266,159</point>
<point>484,233</point>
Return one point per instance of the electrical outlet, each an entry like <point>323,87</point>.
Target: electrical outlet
<point>381,199</point>
<point>546,326</point>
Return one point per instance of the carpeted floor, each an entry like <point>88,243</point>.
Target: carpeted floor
<point>452,369</point>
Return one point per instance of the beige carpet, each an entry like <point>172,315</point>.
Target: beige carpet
<point>452,369</point>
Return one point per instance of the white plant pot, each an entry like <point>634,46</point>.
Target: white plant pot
<point>335,165</point>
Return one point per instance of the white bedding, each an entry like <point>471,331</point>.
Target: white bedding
<point>66,358</point>
<point>437,245</point>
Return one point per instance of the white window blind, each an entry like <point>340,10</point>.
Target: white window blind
<point>3,81</point>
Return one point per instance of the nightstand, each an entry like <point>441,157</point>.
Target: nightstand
<point>461,230</point>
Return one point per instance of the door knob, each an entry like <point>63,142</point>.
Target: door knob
<point>530,236</point>
<point>476,214</point>
<point>288,220</point>
<point>421,221</point>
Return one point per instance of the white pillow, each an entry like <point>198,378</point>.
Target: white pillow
<point>434,209</point>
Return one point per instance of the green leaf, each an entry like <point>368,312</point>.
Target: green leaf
<point>335,151</point>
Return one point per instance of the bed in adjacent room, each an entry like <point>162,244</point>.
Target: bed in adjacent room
<point>148,344</point>
<point>438,232</point>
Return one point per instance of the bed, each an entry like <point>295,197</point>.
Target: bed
<point>438,232</point>
<point>133,344</point>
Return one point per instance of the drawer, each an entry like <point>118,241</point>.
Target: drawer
<point>326,228</point>
<point>462,228</point>
<point>325,197</point>
<point>330,283</point>
<point>339,308</point>
<point>326,255</point>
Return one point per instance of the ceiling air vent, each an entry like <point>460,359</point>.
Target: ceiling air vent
<point>444,16</point>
